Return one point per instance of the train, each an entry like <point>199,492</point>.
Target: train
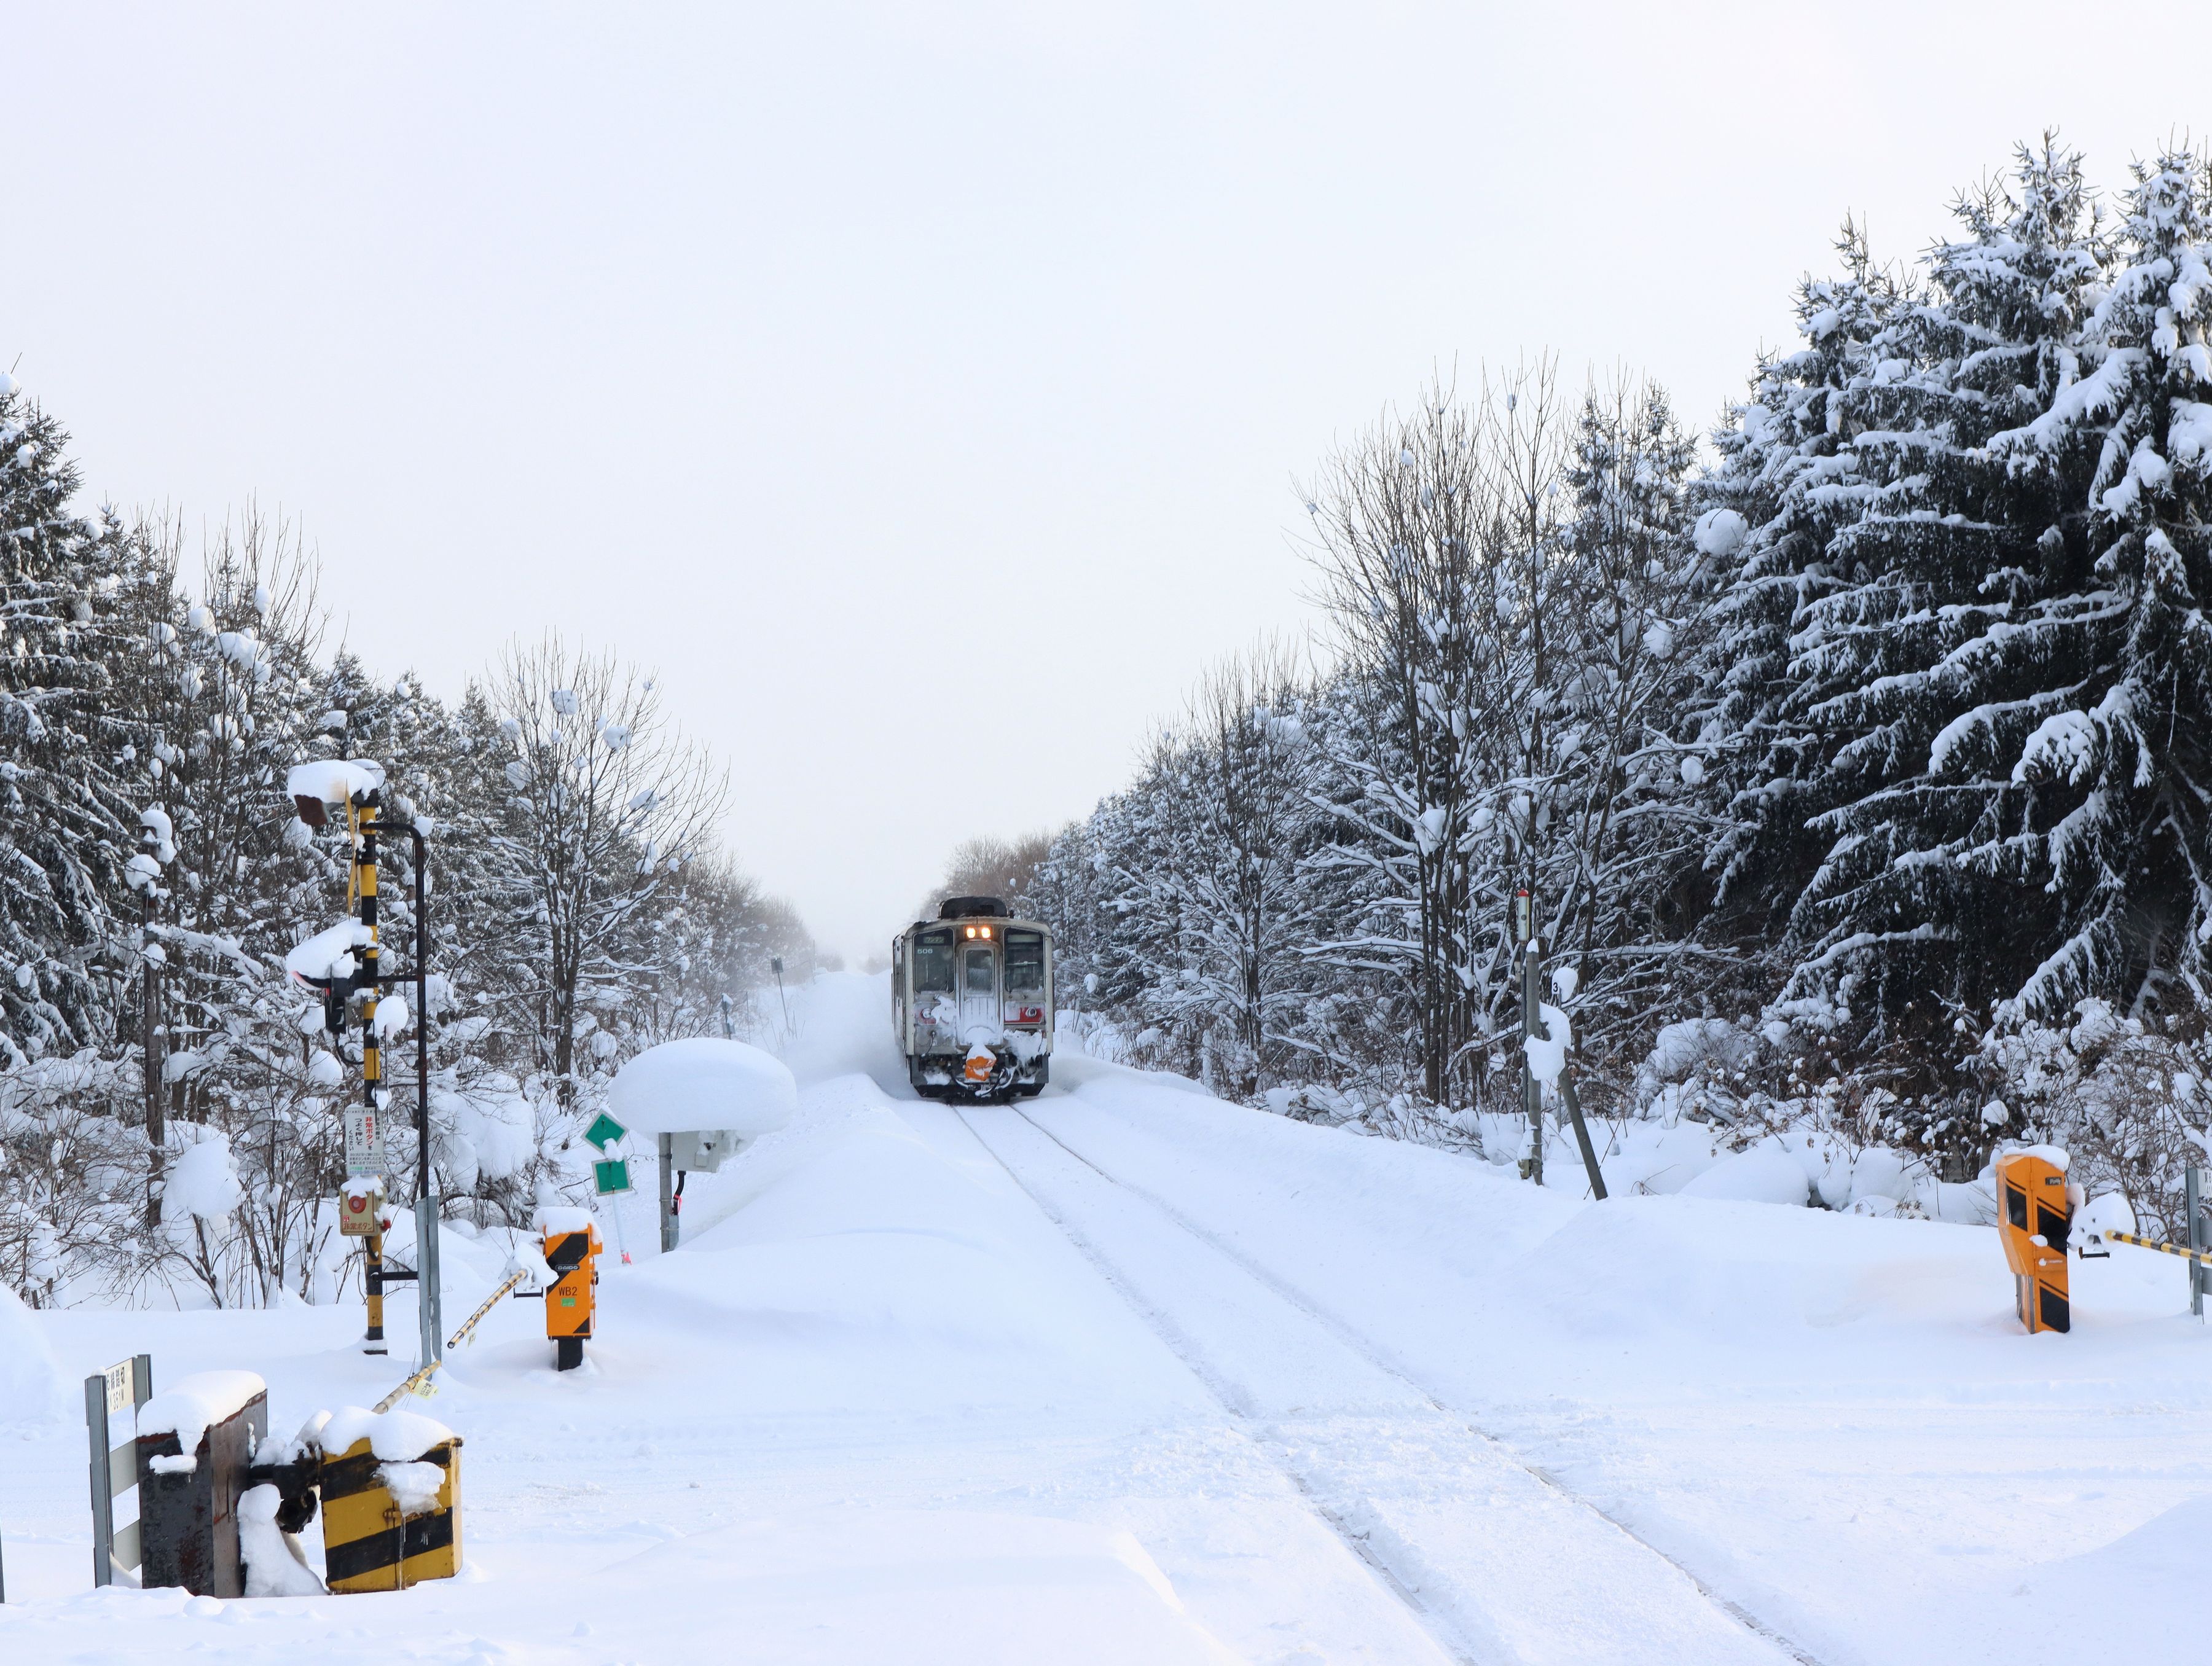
<point>972,1002</point>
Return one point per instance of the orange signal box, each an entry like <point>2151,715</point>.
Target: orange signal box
<point>2034,1216</point>
<point>573,1256</point>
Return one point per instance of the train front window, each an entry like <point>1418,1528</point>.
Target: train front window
<point>933,963</point>
<point>978,972</point>
<point>1024,963</point>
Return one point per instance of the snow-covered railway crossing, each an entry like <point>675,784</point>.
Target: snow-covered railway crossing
<point>1127,1374</point>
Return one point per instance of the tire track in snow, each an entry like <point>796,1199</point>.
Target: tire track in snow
<point>1373,1354</point>
<point>1234,1401</point>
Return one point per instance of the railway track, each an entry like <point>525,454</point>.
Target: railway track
<point>1493,1556</point>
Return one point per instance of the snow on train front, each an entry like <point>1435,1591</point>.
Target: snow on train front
<point>971,1001</point>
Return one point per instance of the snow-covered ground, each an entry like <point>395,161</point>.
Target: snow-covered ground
<point>1130,1375</point>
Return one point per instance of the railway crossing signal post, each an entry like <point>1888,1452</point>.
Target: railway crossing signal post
<point>314,789</point>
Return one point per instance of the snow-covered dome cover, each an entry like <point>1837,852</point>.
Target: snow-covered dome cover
<point>701,1086</point>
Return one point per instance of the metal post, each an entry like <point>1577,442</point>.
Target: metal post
<point>99,1439</point>
<point>429,1289</point>
<point>668,1227</point>
<point>103,1499</point>
<point>2200,1238</point>
<point>426,1277</point>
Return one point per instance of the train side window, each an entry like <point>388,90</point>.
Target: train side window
<point>933,963</point>
<point>1025,962</point>
<point>979,971</point>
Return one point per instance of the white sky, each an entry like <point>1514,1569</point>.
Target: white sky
<point>920,392</point>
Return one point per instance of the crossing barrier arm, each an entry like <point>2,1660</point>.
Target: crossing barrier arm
<point>416,1383</point>
<point>2201,1257</point>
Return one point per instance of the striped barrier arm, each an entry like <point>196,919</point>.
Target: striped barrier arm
<point>2201,1257</point>
<point>421,1379</point>
<point>490,1302</point>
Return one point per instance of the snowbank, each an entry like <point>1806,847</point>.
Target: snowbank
<point>191,1403</point>
<point>703,1085</point>
<point>30,1382</point>
<point>274,1564</point>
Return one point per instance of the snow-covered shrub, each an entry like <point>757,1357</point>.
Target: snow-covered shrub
<point>2130,1099</point>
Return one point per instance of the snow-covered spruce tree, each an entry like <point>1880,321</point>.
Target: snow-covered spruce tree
<point>1786,479</point>
<point>2120,778</point>
<point>69,822</point>
<point>1071,893</point>
<point>1923,663</point>
<point>1230,796</point>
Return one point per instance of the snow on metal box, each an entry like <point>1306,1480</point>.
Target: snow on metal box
<point>391,1522</point>
<point>703,1084</point>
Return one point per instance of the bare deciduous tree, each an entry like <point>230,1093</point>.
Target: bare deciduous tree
<point>608,803</point>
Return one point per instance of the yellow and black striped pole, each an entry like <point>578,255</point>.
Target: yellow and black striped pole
<point>363,832</point>
<point>2200,1258</point>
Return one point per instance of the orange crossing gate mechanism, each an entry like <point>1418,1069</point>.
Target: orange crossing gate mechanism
<point>573,1256</point>
<point>2033,1215</point>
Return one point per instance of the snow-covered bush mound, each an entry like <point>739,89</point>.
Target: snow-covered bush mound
<point>703,1084</point>
<point>487,1128</point>
<point>1762,1174</point>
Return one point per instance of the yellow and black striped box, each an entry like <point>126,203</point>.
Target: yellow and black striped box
<point>368,1545</point>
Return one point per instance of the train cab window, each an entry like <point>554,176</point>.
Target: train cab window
<point>933,963</point>
<point>1025,962</point>
<point>978,972</point>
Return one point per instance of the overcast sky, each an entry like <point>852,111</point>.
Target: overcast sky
<point>920,391</point>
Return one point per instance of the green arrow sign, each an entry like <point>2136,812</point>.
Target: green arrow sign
<point>611,1176</point>
<point>606,1132</point>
